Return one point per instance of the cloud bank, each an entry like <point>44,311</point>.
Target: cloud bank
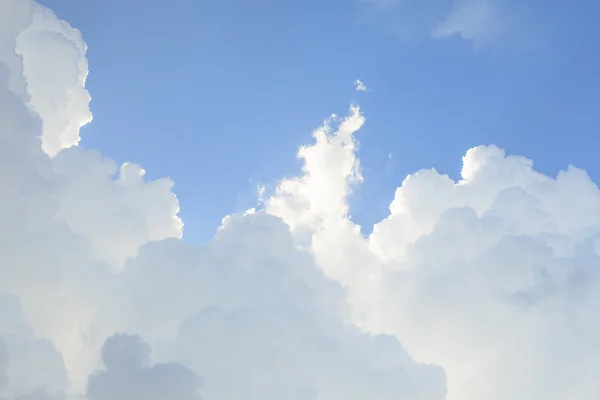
<point>485,288</point>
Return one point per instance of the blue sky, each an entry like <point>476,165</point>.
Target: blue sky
<point>219,95</point>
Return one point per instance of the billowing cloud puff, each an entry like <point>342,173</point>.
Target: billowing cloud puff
<point>484,288</point>
<point>55,69</point>
<point>501,272</point>
<point>88,252</point>
<point>494,277</point>
<point>128,375</point>
<point>129,211</point>
<point>253,309</point>
<point>329,166</point>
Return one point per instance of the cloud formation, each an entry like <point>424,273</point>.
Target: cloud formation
<point>484,288</point>
<point>481,22</point>
<point>360,87</point>
<point>493,277</point>
<point>28,365</point>
<point>128,375</point>
<point>91,249</point>
<point>55,69</point>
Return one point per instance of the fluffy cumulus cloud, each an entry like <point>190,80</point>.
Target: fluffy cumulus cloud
<point>55,70</point>
<point>102,300</point>
<point>484,288</point>
<point>128,375</point>
<point>494,277</point>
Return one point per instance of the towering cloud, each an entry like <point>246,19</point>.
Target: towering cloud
<point>87,256</point>
<point>494,277</point>
<point>55,69</point>
<point>485,288</point>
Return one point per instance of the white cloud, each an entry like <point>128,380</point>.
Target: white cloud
<point>493,277</point>
<point>483,288</point>
<point>55,68</point>
<point>27,363</point>
<point>86,254</point>
<point>128,375</point>
<point>128,210</point>
<point>328,166</point>
<point>360,87</point>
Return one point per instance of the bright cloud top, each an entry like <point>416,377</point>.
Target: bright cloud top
<point>55,67</point>
<point>485,288</point>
